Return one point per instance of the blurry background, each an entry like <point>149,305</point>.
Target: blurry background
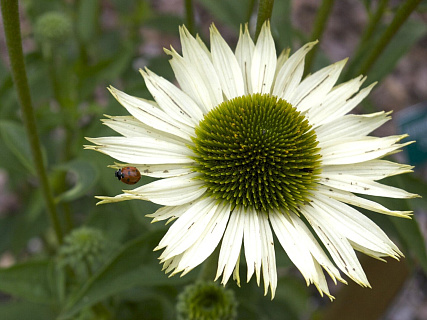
<point>74,50</point>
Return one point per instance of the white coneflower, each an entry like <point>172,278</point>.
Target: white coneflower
<point>246,147</point>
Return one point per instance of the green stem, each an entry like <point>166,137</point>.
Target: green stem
<point>364,41</point>
<point>401,15</point>
<point>189,15</point>
<point>250,10</point>
<point>208,271</point>
<point>318,29</point>
<point>265,10</point>
<point>10,13</point>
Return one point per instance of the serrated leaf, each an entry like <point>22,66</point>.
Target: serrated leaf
<point>28,281</point>
<point>130,267</point>
<point>86,175</point>
<point>15,138</point>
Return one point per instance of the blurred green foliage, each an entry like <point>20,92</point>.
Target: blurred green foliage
<point>99,44</point>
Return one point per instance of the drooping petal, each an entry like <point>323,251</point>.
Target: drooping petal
<point>207,241</point>
<point>231,245</point>
<point>185,231</point>
<point>336,243</point>
<point>268,257</point>
<point>252,244</point>
<point>355,226</point>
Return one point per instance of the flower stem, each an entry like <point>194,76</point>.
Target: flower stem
<point>250,11</point>
<point>318,29</point>
<point>10,13</point>
<point>265,10</point>
<point>189,15</point>
<point>209,267</point>
<point>364,41</point>
<point>401,15</point>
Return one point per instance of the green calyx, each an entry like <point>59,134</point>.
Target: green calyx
<point>257,151</point>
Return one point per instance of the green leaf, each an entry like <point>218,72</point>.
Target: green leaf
<point>29,281</point>
<point>25,310</point>
<point>131,267</point>
<point>15,138</point>
<point>86,176</point>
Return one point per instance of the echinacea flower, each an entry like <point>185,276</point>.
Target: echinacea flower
<point>246,147</point>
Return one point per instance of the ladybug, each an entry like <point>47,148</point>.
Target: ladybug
<point>128,175</point>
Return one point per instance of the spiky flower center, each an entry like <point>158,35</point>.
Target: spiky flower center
<point>257,151</point>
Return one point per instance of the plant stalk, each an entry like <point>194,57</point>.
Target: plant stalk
<point>318,29</point>
<point>401,16</point>
<point>265,10</point>
<point>10,13</point>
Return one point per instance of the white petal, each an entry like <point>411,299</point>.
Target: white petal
<point>334,101</point>
<point>268,260</point>
<point>351,126</point>
<point>226,66</point>
<point>283,57</point>
<point>208,240</point>
<point>294,246</point>
<point>157,170</point>
<point>361,185</point>
<point>364,149</point>
<point>231,245</point>
<point>264,61</point>
<point>172,191</point>
<point>336,243</point>
<point>314,88</point>
<point>244,51</point>
<point>289,75</point>
<point>129,126</point>
<point>197,57</point>
<point>191,81</point>
<point>373,169</point>
<point>170,213</point>
<point>141,150</point>
<point>151,115</point>
<point>315,248</point>
<point>334,106</point>
<point>355,226</point>
<point>252,244</point>
<point>172,100</point>
<point>348,197</point>
<point>187,229</point>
